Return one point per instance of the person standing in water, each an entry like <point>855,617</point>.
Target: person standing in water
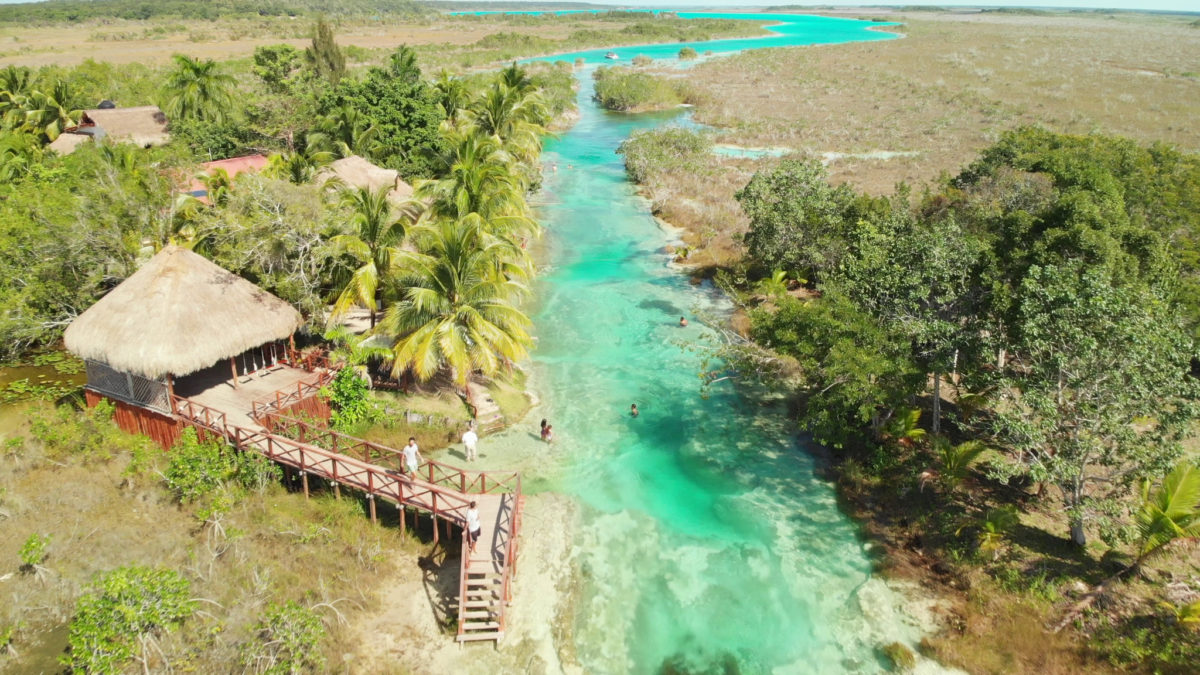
<point>474,529</point>
<point>548,433</point>
<point>470,439</point>
<point>683,322</point>
<point>633,411</point>
<point>412,456</point>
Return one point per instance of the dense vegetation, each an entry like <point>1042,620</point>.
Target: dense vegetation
<point>72,227</point>
<point>629,90</point>
<point>1037,311</point>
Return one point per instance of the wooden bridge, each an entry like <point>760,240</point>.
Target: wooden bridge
<point>442,490</point>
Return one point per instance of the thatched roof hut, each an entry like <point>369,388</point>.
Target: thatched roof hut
<point>356,172</point>
<point>143,125</point>
<point>178,314</point>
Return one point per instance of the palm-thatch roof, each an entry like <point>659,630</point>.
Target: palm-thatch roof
<point>178,314</point>
<point>144,125</point>
<point>356,172</point>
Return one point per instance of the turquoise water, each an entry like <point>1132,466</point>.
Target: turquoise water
<point>789,30</point>
<point>705,543</point>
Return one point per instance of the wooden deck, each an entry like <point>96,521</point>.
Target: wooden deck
<point>212,388</point>
<point>255,419</point>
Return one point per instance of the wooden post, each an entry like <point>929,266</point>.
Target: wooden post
<point>371,501</point>
<point>337,487</point>
<point>304,479</point>
<point>434,518</point>
<point>292,349</point>
<point>171,393</point>
<point>403,513</point>
<point>233,369</point>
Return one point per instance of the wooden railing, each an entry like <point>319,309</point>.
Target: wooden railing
<point>374,480</point>
<point>431,471</point>
<point>280,400</point>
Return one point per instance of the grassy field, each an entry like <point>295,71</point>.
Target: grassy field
<point>912,109</point>
<point>953,84</point>
<point>461,41</point>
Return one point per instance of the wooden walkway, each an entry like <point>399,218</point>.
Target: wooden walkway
<point>444,491</point>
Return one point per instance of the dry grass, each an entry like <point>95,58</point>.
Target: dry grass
<point>953,85</point>
<point>275,546</point>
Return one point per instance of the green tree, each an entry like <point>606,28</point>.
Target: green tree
<point>458,311</point>
<point>1170,513</point>
<point>120,617</point>
<point>374,246</point>
<point>406,113</point>
<point>1103,392</point>
<point>796,218</point>
<point>856,374</point>
<point>275,64</point>
<point>324,57</point>
<point>453,94</point>
<point>198,89</point>
<point>513,118</point>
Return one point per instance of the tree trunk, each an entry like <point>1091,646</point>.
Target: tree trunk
<point>1000,356</point>
<point>372,319</point>
<point>1078,536</point>
<point>936,426</point>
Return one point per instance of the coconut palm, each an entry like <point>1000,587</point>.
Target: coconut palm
<point>1170,513</point>
<point>453,93</point>
<point>953,461</point>
<point>458,312</point>
<point>197,89</point>
<point>346,131</point>
<point>48,112</point>
<point>479,179</point>
<point>18,154</point>
<point>15,86</point>
<point>513,117</point>
<point>374,245</point>
<point>299,166</point>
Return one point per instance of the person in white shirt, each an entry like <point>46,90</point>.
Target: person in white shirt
<point>470,439</point>
<point>412,456</point>
<point>474,529</point>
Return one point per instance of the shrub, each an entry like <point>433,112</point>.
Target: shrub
<point>349,395</point>
<point>289,638</point>
<point>125,609</point>
<point>660,150</point>
<point>623,90</point>
<point>197,468</point>
<point>33,551</point>
<point>642,60</point>
<point>687,54</point>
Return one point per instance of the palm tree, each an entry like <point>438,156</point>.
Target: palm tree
<point>479,179</point>
<point>513,117</point>
<point>346,131</point>
<point>953,461</point>
<point>458,311</point>
<point>374,246</point>
<point>48,113</point>
<point>453,94</point>
<point>15,86</point>
<point>198,90</point>
<point>1169,514</point>
<point>299,166</point>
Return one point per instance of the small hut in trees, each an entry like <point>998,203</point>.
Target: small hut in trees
<point>178,323</point>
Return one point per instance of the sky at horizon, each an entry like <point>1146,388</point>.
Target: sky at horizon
<point>1151,5</point>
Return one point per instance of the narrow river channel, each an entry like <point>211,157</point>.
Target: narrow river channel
<point>704,543</point>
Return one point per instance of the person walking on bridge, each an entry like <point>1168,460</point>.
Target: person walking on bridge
<point>473,527</point>
<point>470,439</point>
<point>412,456</point>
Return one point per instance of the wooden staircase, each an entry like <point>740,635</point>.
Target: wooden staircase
<point>442,490</point>
<point>485,580</point>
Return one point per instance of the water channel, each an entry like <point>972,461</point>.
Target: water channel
<point>705,543</point>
